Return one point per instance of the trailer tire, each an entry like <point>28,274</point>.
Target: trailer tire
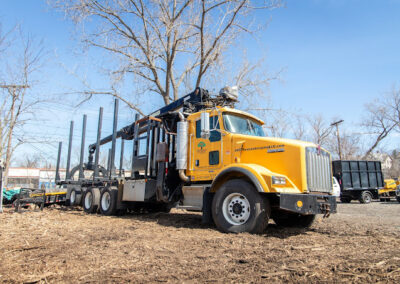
<point>91,200</point>
<point>365,197</point>
<point>75,197</point>
<point>288,219</point>
<point>108,201</point>
<point>237,207</point>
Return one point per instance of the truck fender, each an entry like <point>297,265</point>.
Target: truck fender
<point>225,174</point>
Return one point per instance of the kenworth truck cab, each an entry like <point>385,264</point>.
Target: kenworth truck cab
<point>203,154</point>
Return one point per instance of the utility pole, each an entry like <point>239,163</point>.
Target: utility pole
<point>338,136</point>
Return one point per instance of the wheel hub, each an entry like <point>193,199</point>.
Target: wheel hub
<point>236,209</point>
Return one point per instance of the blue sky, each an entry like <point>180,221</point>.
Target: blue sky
<point>337,55</point>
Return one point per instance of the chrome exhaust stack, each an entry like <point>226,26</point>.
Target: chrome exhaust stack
<point>181,147</point>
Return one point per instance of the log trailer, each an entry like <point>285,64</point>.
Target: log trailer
<point>201,153</point>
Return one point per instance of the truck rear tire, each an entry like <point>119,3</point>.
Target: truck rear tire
<point>365,197</point>
<point>91,200</point>
<point>237,207</point>
<point>398,199</point>
<point>289,219</point>
<point>108,201</point>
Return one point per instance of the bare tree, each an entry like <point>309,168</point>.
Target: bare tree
<point>320,129</point>
<point>349,144</point>
<point>383,117</point>
<point>21,58</point>
<point>299,127</point>
<point>163,43</point>
<point>31,161</point>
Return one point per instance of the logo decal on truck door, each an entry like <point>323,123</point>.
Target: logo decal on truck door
<point>201,147</point>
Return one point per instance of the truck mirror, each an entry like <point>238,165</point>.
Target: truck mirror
<point>205,125</point>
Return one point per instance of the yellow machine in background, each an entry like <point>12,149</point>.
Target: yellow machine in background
<point>389,191</point>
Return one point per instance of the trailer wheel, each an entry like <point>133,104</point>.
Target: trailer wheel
<point>365,197</point>
<point>108,201</point>
<point>75,197</point>
<point>288,219</point>
<point>91,200</point>
<point>237,207</point>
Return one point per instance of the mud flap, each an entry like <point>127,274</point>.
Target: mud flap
<point>207,204</point>
<point>308,204</point>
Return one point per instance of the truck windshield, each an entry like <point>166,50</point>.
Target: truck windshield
<point>242,125</point>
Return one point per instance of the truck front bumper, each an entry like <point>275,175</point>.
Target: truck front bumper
<point>308,204</point>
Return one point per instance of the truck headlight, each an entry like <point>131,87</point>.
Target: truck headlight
<point>278,180</point>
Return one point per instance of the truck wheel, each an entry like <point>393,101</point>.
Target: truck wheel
<point>345,199</point>
<point>237,207</point>
<point>398,199</point>
<point>91,200</point>
<point>288,219</point>
<point>365,197</point>
<point>75,197</point>
<point>108,201</point>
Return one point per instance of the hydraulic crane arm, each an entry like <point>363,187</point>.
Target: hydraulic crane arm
<point>127,132</point>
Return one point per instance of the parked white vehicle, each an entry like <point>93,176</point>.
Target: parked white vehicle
<point>336,187</point>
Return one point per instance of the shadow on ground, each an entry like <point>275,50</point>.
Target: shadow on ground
<point>188,220</point>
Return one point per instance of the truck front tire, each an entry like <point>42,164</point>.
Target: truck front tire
<point>237,207</point>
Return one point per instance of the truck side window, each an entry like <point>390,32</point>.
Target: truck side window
<point>214,134</point>
<point>213,157</point>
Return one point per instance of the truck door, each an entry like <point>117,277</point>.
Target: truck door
<point>207,152</point>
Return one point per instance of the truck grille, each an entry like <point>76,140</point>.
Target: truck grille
<point>319,174</point>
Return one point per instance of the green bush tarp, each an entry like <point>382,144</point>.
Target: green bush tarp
<point>8,194</point>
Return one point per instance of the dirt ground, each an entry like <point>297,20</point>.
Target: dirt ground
<point>359,244</point>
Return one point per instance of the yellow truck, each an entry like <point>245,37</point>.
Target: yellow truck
<point>201,153</point>
<point>389,191</point>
